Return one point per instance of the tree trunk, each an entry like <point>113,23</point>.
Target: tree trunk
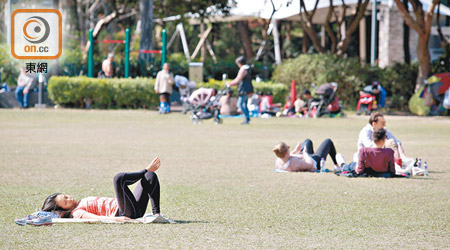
<point>203,49</point>
<point>81,23</point>
<point>245,38</point>
<point>304,43</point>
<point>406,38</point>
<point>146,42</point>
<point>423,55</point>
<point>309,28</point>
<point>422,25</point>
<point>342,46</point>
<point>329,29</point>
<point>444,40</point>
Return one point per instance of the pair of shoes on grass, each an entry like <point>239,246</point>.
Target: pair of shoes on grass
<point>34,220</point>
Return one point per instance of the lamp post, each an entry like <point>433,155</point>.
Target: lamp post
<point>374,40</point>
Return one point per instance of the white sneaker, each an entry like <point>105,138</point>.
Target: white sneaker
<point>340,159</point>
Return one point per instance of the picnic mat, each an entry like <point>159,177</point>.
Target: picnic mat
<point>147,218</point>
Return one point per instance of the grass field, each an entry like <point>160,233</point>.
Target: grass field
<point>217,182</point>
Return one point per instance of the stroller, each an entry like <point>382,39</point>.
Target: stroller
<point>210,110</point>
<point>372,97</point>
<point>327,104</point>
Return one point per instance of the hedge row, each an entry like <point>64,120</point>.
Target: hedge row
<point>279,90</point>
<point>134,93</point>
<point>102,93</point>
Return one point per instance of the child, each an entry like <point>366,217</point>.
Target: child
<point>299,104</point>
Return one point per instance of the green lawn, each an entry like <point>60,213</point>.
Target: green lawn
<point>217,182</point>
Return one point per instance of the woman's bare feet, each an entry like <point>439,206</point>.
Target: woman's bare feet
<point>154,165</point>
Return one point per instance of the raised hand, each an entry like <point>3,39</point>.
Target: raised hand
<point>298,148</point>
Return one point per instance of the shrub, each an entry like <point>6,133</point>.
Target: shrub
<point>351,76</point>
<point>322,68</point>
<point>399,80</point>
<point>9,67</point>
<point>102,93</point>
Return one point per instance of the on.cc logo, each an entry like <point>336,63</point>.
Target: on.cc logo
<point>41,25</point>
<point>36,34</point>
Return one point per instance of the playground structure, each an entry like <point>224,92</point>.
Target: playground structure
<point>163,51</point>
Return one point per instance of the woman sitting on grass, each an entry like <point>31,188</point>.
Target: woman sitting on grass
<point>303,157</point>
<point>126,205</point>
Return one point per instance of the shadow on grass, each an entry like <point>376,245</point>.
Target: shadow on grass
<point>436,172</point>
<point>191,222</point>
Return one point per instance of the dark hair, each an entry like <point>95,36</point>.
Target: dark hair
<point>259,92</point>
<point>215,91</point>
<point>230,91</point>
<point>306,92</point>
<point>374,117</point>
<point>240,60</point>
<point>51,206</point>
<point>379,135</point>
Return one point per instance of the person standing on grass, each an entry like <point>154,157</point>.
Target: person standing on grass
<point>127,205</point>
<point>245,87</point>
<point>303,158</point>
<point>163,87</point>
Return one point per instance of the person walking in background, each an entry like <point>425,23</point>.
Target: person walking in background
<point>24,84</point>
<point>245,87</point>
<point>163,87</point>
<point>107,66</point>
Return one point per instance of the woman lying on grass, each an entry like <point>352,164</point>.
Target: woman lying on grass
<point>303,157</point>
<point>126,205</point>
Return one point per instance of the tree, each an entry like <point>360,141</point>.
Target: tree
<point>245,38</point>
<point>98,14</point>
<point>444,40</point>
<point>339,42</point>
<point>422,25</point>
<point>146,13</point>
<point>202,8</point>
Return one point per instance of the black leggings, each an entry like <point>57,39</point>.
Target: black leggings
<point>327,147</point>
<point>133,204</point>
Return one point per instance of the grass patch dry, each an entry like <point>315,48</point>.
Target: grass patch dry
<point>217,182</point>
